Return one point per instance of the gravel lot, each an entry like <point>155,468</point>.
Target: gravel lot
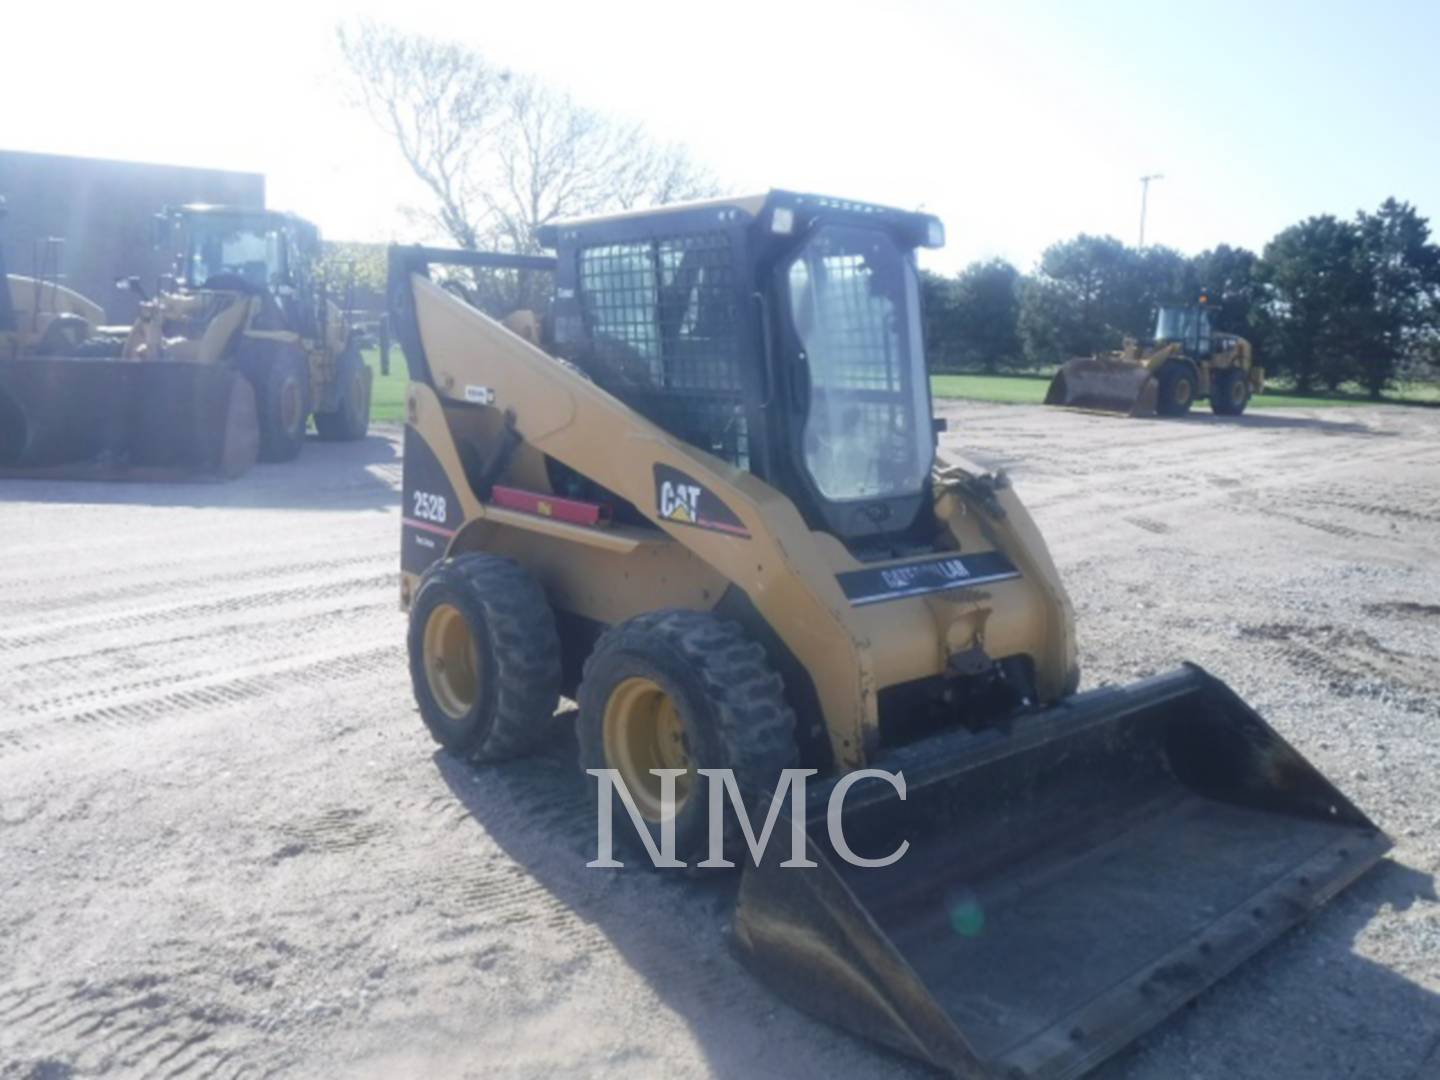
<point>227,846</point>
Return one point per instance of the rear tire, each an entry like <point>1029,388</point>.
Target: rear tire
<point>351,419</point>
<point>1229,392</point>
<point>683,689</point>
<point>1176,391</point>
<point>282,394</point>
<point>484,658</point>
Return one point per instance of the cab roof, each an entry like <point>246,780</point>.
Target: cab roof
<point>753,207</point>
<point>224,210</point>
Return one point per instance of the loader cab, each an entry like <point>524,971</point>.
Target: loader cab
<point>1187,326</point>
<point>781,333</point>
<point>255,251</point>
<point>260,252</point>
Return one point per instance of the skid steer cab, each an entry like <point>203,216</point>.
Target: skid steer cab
<point>701,494</point>
<point>232,354</point>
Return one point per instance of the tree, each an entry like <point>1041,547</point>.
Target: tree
<point>985,323</point>
<point>503,155</point>
<point>354,274</point>
<point>973,319</point>
<point>1227,275</point>
<point>1066,308</point>
<point>1404,271</point>
<point>362,265</point>
<point>556,160</point>
<point>1091,292</point>
<point>1317,300</point>
<point>441,104</point>
<point>937,301</point>
<point>1047,322</point>
<point>1341,300</point>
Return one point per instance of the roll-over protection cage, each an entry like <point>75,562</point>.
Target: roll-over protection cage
<point>674,312</point>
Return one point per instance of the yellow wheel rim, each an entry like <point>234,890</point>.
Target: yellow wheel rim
<point>452,668</point>
<point>1238,390</point>
<point>1182,391</point>
<point>643,731</point>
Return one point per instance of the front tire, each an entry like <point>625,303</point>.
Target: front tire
<point>484,658</point>
<point>282,394</point>
<point>1176,389</point>
<point>1229,392</point>
<point>683,689</point>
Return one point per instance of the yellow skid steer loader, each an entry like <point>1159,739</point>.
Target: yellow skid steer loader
<point>239,347</point>
<point>707,504</point>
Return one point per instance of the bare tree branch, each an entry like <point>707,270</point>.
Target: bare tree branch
<point>501,155</point>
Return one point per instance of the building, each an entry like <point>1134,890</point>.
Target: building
<point>101,212</point>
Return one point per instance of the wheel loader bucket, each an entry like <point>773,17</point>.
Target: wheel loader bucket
<point>112,419</point>
<point>1068,883</point>
<point>1108,385</point>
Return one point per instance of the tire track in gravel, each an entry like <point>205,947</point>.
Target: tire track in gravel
<point>27,676</point>
<point>213,694</point>
<point>1165,485</point>
<point>483,883</point>
<point>1422,508</point>
<point>338,829</point>
<point>1348,661</point>
<point>228,605</point>
<point>207,577</point>
<point>135,1024</point>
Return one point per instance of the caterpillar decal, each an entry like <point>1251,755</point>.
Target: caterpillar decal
<point>685,501</point>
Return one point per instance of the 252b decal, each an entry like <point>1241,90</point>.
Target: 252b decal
<point>429,507</point>
<point>425,506</point>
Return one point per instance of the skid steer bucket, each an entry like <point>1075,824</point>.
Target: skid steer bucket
<point>1110,385</point>
<point>113,419</point>
<point>1068,883</point>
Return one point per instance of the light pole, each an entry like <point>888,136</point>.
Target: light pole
<point>1144,198</point>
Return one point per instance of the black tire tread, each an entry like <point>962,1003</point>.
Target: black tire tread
<point>1169,373</point>
<point>276,445</point>
<point>338,426</point>
<point>525,653</point>
<point>1220,392</point>
<point>756,728</point>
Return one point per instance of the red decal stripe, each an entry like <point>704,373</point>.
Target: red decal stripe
<point>574,511</point>
<point>427,526</point>
<point>721,526</point>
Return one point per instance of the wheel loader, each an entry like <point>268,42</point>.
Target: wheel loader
<point>1185,362</point>
<point>41,317</point>
<point>702,497</point>
<point>227,361</point>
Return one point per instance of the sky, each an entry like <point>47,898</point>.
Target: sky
<point>1019,123</point>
